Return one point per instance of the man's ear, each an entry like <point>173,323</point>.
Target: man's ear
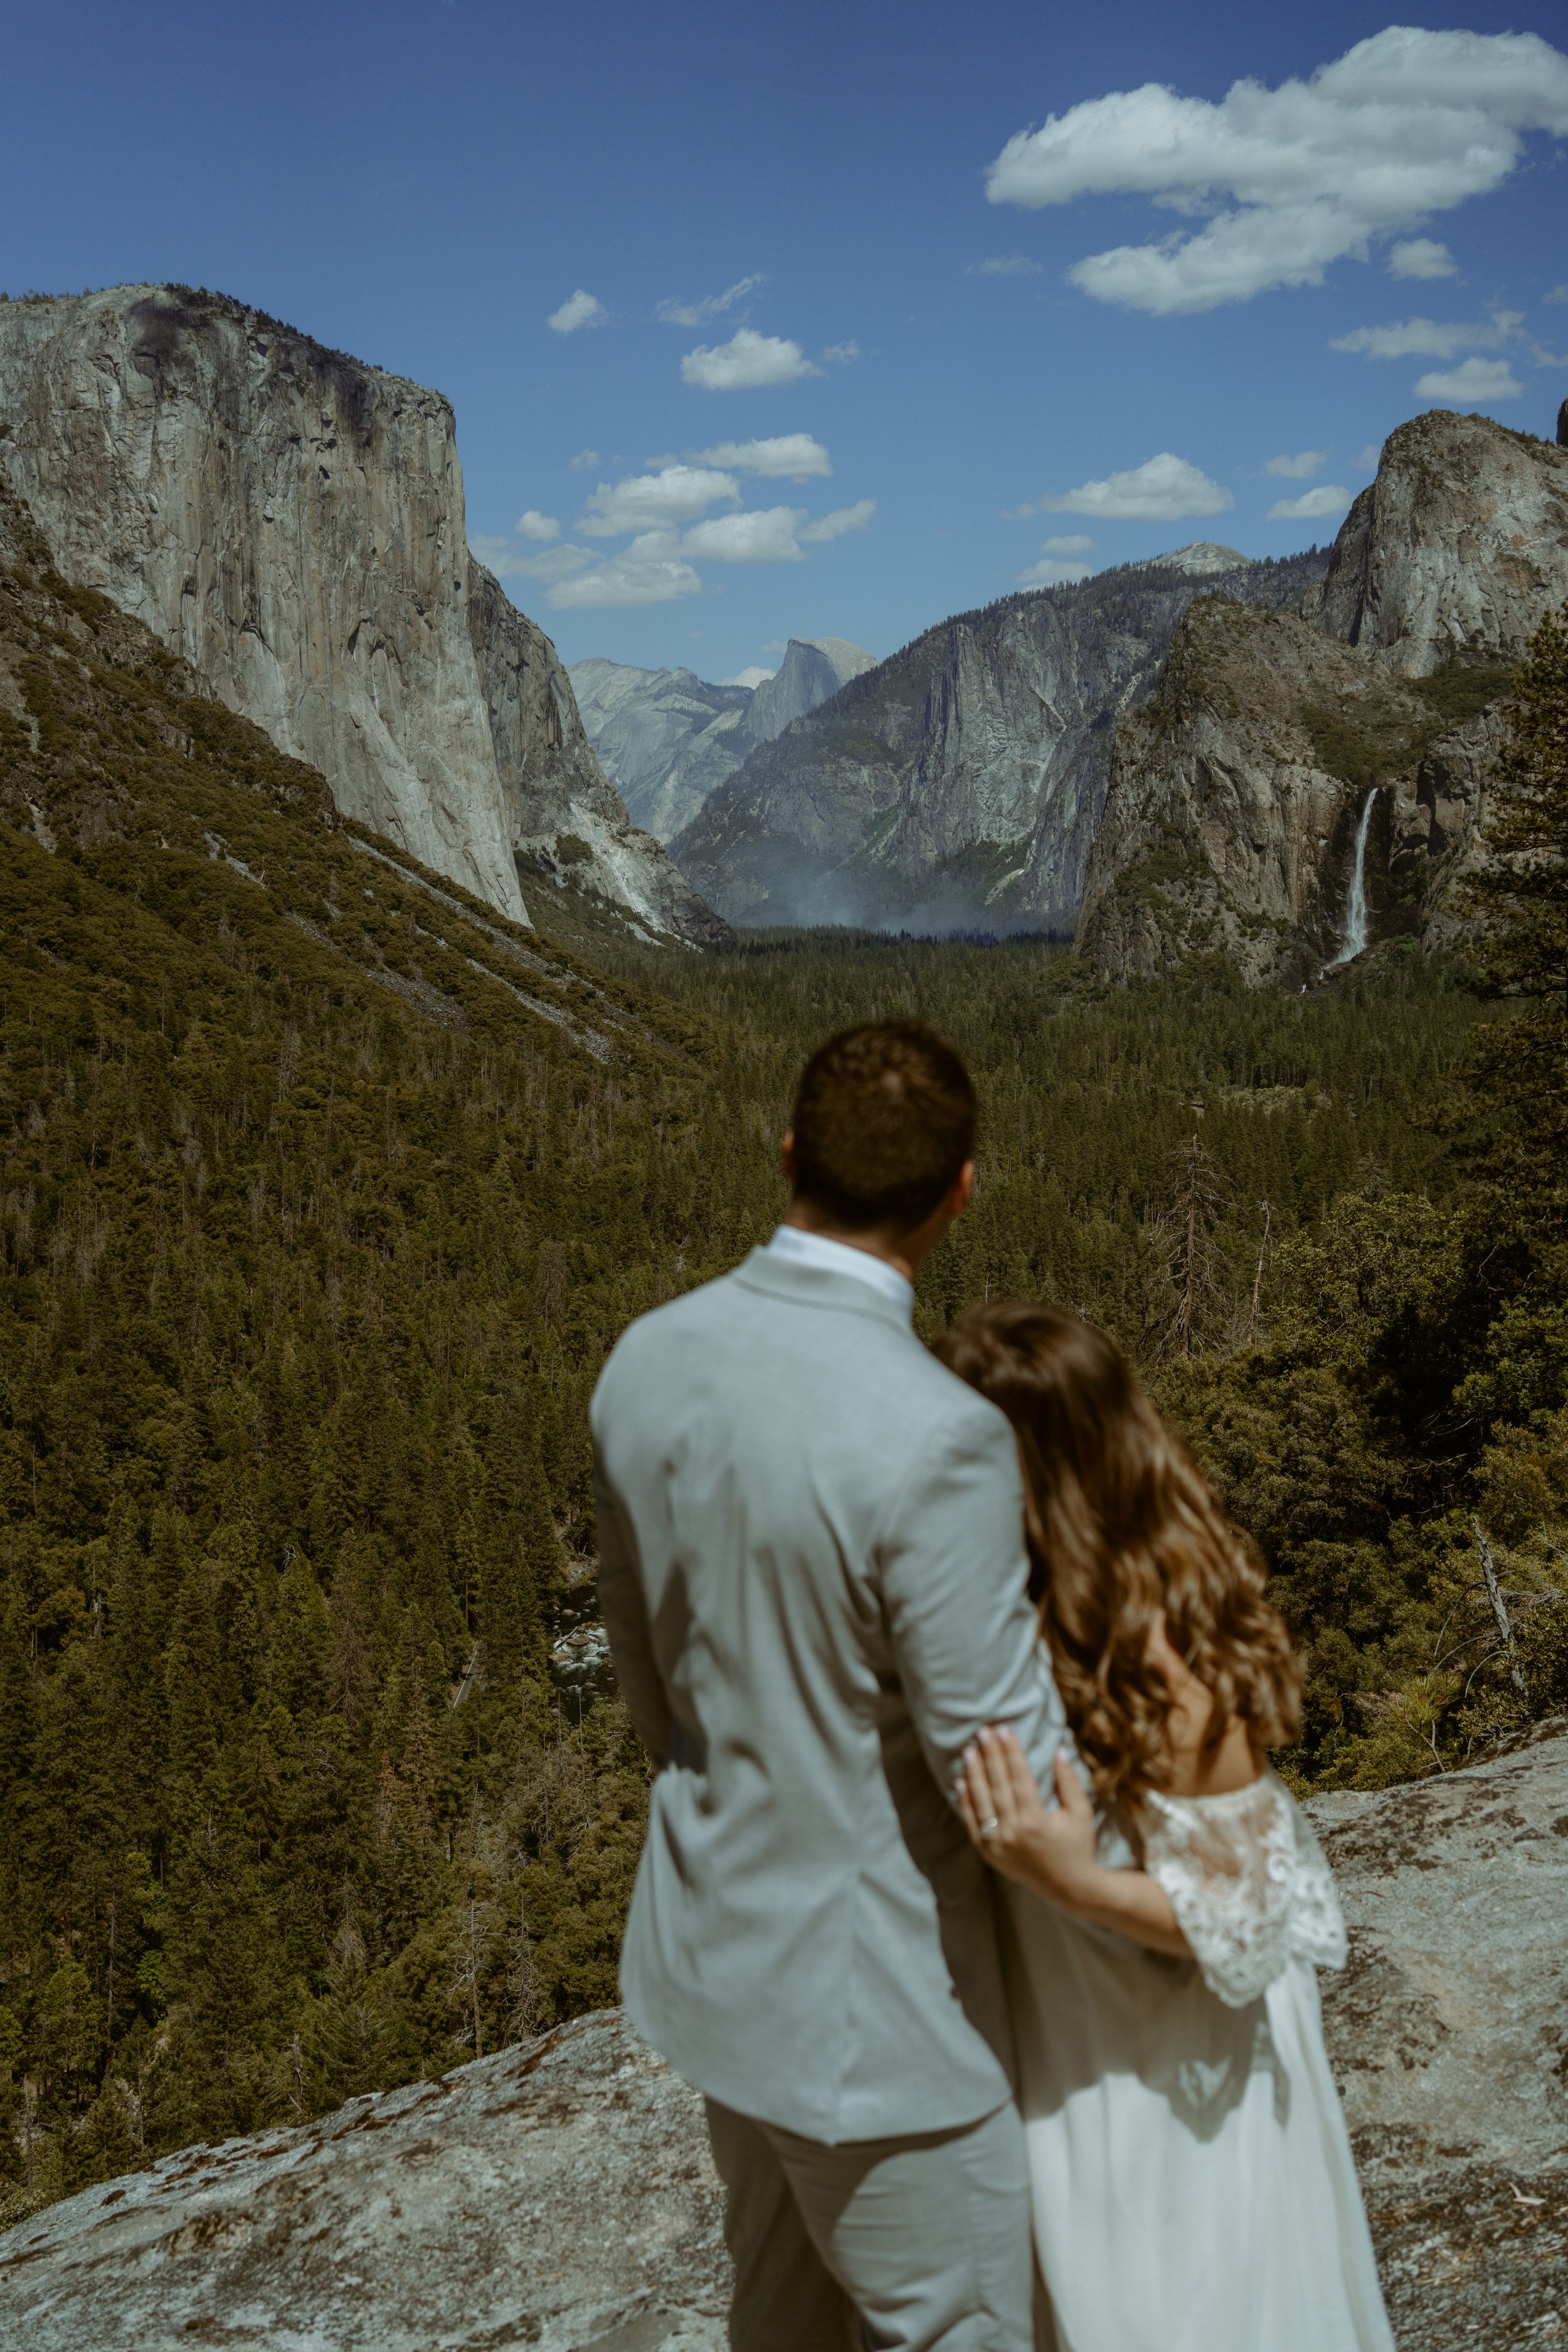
<point>963,1189</point>
<point>786,1155</point>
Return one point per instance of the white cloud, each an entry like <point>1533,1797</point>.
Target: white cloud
<point>580,310</point>
<point>1297,468</point>
<point>1328,499</point>
<point>842,519</point>
<point>1371,454</point>
<point>1431,338</point>
<point>1558,294</point>
<point>751,676</point>
<point>841,354</point>
<point>1406,124</point>
<point>651,570</point>
<point>764,535</point>
<point>1050,574</point>
<point>746,361</point>
<point>532,524</point>
<point>712,305</point>
<point>1073,543</point>
<point>1162,489</point>
<point>676,494</point>
<point>584,461</point>
<point>1003,265</point>
<point>1421,256</point>
<point>788,457</point>
<point>1473,379</point>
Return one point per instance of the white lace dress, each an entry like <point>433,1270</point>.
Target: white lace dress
<point>1193,2188</point>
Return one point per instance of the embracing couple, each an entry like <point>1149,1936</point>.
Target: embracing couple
<point>968,1899</point>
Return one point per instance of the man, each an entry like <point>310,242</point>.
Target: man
<point>813,1575</point>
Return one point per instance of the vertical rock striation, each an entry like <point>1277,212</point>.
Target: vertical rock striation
<point>291,522</point>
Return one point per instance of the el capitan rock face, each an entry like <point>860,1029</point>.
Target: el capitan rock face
<point>1237,792</point>
<point>291,522</point>
<point>560,2194</point>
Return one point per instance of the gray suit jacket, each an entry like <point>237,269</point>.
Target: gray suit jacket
<point>813,1576</point>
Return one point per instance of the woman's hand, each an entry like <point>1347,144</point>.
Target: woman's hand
<point>1056,1851</point>
<point>1057,1854</point>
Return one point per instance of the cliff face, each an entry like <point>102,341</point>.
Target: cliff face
<point>563,817</point>
<point>1455,551</point>
<point>811,673</point>
<point>291,523</point>
<point>1236,796</point>
<point>665,737</point>
<point>668,739</point>
<point>960,782</point>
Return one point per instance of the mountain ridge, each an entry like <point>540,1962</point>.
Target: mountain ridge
<point>668,739</point>
<point>960,782</point>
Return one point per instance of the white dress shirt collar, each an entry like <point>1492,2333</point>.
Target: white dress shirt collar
<point>799,1247</point>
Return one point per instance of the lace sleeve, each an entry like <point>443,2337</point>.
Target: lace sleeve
<point>1248,1882</point>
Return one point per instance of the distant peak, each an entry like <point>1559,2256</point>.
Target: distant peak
<point>1204,556</point>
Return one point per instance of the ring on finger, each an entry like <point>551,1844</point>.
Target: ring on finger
<point>989,1829</point>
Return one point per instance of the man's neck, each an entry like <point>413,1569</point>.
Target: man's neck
<point>895,1254</point>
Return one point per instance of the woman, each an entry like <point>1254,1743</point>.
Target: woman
<point>1194,2187</point>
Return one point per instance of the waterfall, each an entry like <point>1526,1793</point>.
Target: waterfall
<point>1355,906</point>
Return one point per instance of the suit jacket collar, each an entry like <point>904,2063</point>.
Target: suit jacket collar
<point>813,1286</point>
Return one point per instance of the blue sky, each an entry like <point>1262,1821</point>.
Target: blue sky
<point>427,185</point>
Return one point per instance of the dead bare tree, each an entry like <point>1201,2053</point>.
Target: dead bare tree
<point>1196,1201</point>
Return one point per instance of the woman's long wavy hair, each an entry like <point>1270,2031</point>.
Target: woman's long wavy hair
<point>1123,1528</point>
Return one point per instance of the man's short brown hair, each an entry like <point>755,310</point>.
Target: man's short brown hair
<point>884,1120</point>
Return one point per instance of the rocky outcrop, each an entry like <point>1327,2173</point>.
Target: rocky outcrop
<point>1454,552</point>
<point>962,781</point>
<point>1450,2039</point>
<point>811,673</point>
<point>291,522</point>
<point>668,739</point>
<point>560,2194</point>
<point>1232,816</point>
<point>1201,558</point>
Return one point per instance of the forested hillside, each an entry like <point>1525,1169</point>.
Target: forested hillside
<point>325,1193</point>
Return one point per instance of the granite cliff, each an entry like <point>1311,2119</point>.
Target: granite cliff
<point>960,782</point>
<point>560,2193</point>
<point>290,522</point>
<point>1292,767</point>
<point>668,739</point>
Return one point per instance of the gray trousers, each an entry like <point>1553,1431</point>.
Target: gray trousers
<point>903,2246</point>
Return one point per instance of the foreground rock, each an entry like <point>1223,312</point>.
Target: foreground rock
<point>1448,2032</point>
<point>556,2196</point>
<point>561,2194</point>
<point>290,522</point>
